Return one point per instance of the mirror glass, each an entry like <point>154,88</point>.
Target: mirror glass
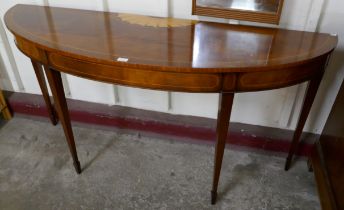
<point>267,11</point>
<point>251,5</point>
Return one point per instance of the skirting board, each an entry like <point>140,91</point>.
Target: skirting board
<point>164,124</point>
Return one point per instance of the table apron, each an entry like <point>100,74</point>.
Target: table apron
<point>277,78</point>
<point>143,78</point>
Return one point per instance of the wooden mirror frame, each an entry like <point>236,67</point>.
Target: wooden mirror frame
<point>238,14</point>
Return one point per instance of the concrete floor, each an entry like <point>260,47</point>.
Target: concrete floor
<point>125,171</point>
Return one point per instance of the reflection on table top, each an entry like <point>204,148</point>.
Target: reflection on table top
<point>250,5</point>
<point>205,46</point>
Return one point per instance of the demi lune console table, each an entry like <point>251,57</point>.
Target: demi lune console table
<point>167,54</point>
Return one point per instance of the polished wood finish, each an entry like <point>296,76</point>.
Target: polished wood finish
<point>56,86</point>
<point>181,58</point>
<point>223,117</point>
<point>203,47</point>
<point>4,110</point>
<point>193,57</point>
<point>328,158</point>
<point>42,84</point>
<point>263,11</point>
<point>254,81</point>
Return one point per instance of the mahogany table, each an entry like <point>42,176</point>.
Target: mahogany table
<point>167,54</point>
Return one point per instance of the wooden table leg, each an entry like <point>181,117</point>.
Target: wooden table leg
<point>310,164</point>
<point>4,108</point>
<point>306,107</point>
<point>56,86</point>
<point>42,84</point>
<point>224,113</point>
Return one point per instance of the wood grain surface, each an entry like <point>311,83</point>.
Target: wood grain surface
<point>255,58</point>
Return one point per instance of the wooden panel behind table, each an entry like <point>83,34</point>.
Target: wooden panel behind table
<point>328,157</point>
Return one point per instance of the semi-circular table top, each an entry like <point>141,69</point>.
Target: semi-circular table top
<point>119,48</point>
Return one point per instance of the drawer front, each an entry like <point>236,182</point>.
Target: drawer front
<point>186,82</point>
<point>278,78</point>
